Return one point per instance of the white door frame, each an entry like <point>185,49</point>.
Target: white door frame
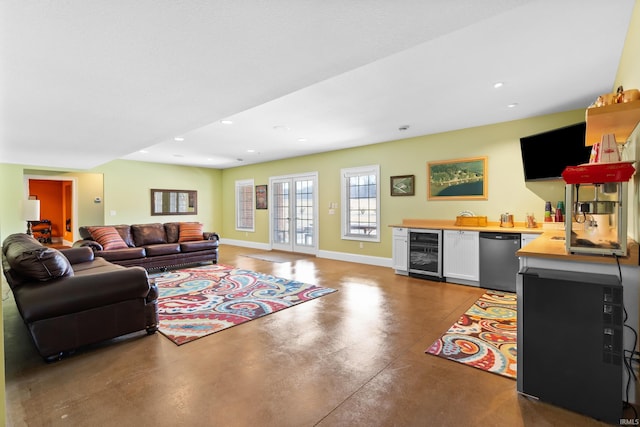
<point>74,197</point>
<point>312,250</point>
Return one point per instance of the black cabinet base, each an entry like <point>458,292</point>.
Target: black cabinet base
<point>572,347</point>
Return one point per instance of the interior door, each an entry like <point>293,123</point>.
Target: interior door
<point>293,214</point>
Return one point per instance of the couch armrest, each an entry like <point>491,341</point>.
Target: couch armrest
<point>78,293</point>
<point>208,235</point>
<point>95,246</point>
<point>78,254</point>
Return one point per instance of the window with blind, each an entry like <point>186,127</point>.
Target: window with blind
<point>361,203</point>
<point>245,205</point>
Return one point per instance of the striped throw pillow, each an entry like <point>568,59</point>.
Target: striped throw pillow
<point>190,231</point>
<point>108,237</point>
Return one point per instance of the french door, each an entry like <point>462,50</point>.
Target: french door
<point>294,212</point>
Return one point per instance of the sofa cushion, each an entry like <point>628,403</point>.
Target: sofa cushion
<point>30,259</point>
<point>108,237</point>
<point>162,249</point>
<point>148,234</point>
<point>201,245</point>
<point>173,231</point>
<point>190,232</point>
<point>125,232</point>
<point>120,254</point>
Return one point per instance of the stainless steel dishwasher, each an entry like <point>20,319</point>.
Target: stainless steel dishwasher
<point>499,264</point>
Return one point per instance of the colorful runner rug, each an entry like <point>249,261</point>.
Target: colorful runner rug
<point>484,337</point>
<point>196,302</point>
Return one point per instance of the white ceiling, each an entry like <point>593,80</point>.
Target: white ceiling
<point>84,82</point>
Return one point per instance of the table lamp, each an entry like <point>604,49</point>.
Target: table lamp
<point>30,212</point>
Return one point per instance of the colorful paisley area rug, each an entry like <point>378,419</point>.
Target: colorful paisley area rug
<point>484,337</point>
<point>196,302</point>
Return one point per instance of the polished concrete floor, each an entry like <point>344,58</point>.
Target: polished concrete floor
<point>352,358</point>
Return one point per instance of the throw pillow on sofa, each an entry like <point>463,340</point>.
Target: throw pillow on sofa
<point>190,232</point>
<point>108,237</point>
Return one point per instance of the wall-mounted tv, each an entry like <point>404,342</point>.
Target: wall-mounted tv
<point>546,154</point>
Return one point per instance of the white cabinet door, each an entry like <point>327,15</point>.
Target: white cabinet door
<point>400,250</point>
<point>461,256</point>
<point>526,238</point>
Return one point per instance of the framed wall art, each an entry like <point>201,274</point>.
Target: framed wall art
<point>458,179</point>
<point>403,185</point>
<point>174,202</point>
<point>261,197</point>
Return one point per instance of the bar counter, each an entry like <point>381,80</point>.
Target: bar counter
<point>550,244</point>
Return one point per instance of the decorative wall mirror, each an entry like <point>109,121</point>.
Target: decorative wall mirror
<point>174,202</point>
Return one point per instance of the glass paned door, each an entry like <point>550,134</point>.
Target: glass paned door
<point>281,217</point>
<point>293,214</point>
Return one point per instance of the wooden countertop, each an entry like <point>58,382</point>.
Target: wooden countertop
<point>550,244</point>
<point>492,227</point>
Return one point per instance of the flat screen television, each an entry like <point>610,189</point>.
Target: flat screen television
<point>546,154</point>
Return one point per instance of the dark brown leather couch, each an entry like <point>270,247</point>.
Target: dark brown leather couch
<point>69,299</point>
<point>154,246</point>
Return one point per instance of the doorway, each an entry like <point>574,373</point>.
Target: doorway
<point>293,217</point>
<point>57,204</point>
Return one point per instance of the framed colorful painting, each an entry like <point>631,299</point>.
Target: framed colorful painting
<point>261,197</point>
<point>458,179</point>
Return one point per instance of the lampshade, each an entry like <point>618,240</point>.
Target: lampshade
<point>31,210</point>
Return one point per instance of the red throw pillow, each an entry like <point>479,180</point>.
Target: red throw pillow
<point>190,231</point>
<point>108,237</point>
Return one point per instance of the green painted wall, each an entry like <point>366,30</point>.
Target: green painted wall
<point>629,68</point>
<point>123,187</point>
<point>127,192</point>
<point>507,190</point>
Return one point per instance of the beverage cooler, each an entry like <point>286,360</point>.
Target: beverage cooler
<point>425,254</point>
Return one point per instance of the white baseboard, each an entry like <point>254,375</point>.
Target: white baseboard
<point>245,244</point>
<point>360,259</point>
<point>339,256</point>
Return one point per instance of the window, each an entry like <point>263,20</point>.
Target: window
<point>244,205</point>
<point>361,203</point>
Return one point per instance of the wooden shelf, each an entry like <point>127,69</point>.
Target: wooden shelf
<point>618,119</point>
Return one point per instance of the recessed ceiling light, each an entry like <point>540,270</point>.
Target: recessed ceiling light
<point>251,150</point>
<point>178,138</point>
<point>226,122</point>
<point>498,85</point>
<point>302,139</point>
<point>144,151</point>
<point>514,105</point>
<point>281,127</point>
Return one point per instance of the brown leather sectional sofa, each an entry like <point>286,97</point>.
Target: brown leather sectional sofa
<point>153,246</point>
<point>68,298</point>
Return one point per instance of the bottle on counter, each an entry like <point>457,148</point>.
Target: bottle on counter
<point>547,212</point>
<point>560,212</point>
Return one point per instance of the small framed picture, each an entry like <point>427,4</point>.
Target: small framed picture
<point>403,185</point>
<point>261,197</point>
